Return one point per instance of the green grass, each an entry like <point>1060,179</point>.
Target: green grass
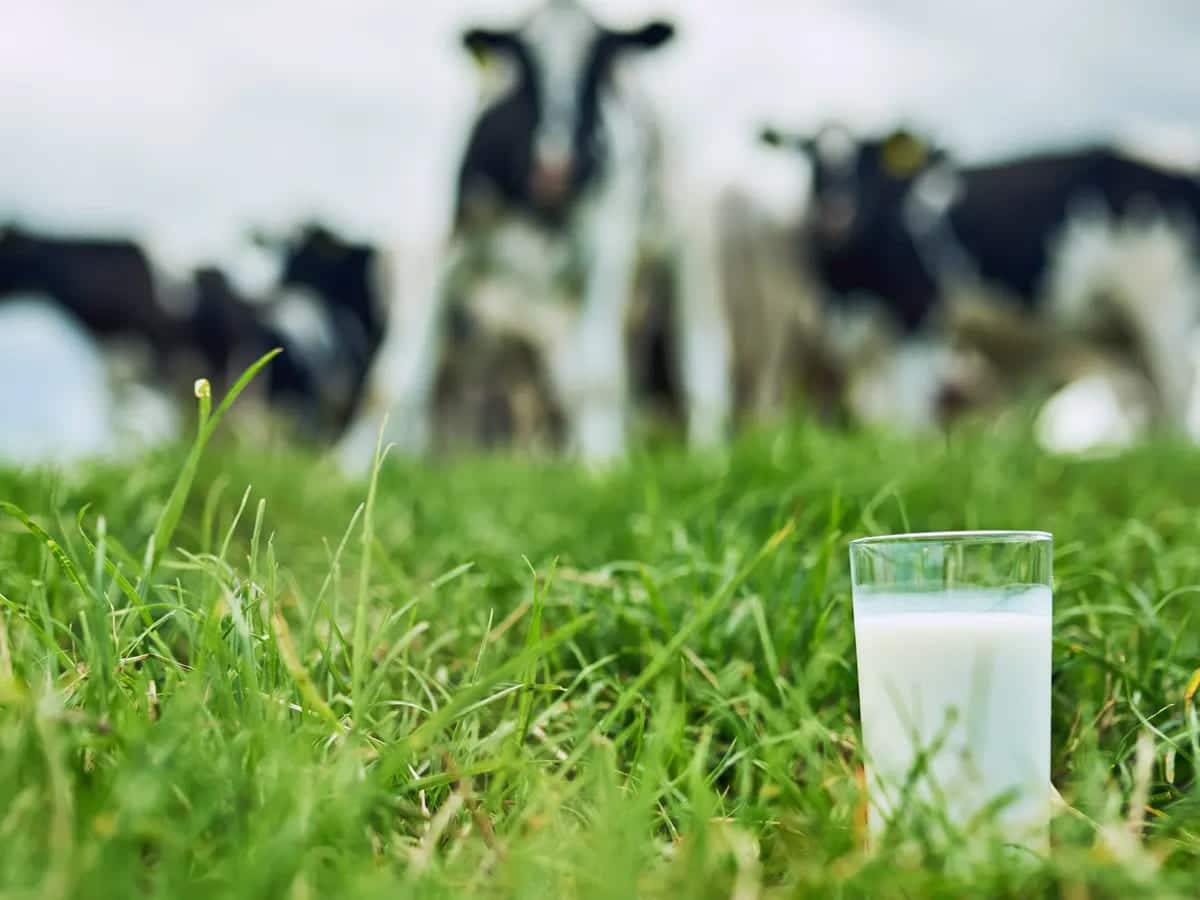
<point>504,678</point>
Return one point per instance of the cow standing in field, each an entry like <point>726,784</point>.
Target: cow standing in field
<point>330,309</point>
<point>162,332</point>
<point>108,285</point>
<point>224,332</point>
<point>70,308</point>
<point>1066,251</point>
<point>563,192</point>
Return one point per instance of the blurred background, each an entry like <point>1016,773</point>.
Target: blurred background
<point>182,125</point>
<point>185,128</point>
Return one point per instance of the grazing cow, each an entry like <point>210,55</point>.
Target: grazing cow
<point>172,330</point>
<point>108,285</point>
<point>330,309</point>
<point>226,332</point>
<point>562,193</point>
<point>1077,242</point>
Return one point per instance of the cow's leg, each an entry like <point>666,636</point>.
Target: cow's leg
<point>1142,274</point>
<point>401,382</point>
<point>589,367</point>
<point>702,325</point>
<point>1161,290</point>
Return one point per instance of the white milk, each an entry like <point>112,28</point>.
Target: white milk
<point>966,672</point>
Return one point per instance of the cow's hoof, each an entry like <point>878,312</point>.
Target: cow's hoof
<point>707,432</point>
<point>600,438</point>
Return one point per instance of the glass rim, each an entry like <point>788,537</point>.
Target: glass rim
<point>956,537</point>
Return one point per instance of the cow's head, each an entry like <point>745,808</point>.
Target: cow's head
<point>563,59</point>
<point>343,276</point>
<point>860,186</point>
<point>330,303</point>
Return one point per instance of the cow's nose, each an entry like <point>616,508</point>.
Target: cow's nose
<point>551,181</point>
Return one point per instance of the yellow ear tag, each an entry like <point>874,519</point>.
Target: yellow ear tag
<point>903,155</point>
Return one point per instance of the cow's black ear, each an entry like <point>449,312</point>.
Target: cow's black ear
<point>771,136</point>
<point>481,42</point>
<point>651,35</point>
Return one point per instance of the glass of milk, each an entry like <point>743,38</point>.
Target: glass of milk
<point>953,638</point>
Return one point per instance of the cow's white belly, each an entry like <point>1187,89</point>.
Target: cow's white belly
<point>55,404</point>
<point>57,400</point>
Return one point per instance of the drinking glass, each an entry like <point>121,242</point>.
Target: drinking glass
<point>953,641</point>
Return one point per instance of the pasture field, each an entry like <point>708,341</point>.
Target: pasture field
<point>506,678</point>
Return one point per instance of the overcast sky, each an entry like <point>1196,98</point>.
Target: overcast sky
<point>183,123</point>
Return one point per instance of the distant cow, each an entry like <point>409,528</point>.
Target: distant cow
<point>330,306</point>
<point>181,328</point>
<point>226,332</point>
<point>1082,241</point>
<point>108,285</point>
<point>562,192</point>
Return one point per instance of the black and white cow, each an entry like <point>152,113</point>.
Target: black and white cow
<point>89,338</point>
<point>226,332</point>
<point>107,284</point>
<point>563,191</point>
<point>330,306</point>
<point>169,330</point>
<point>1082,241</point>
